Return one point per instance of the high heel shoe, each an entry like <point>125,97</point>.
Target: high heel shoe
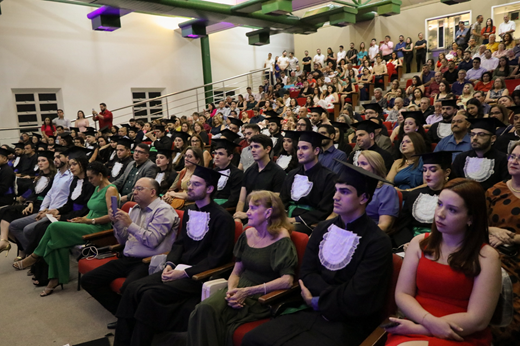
<point>7,248</point>
<point>49,290</point>
<point>30,260</point>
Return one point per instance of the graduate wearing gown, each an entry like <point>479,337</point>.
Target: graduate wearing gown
<point>287,161</point>
<point>483,163</point>
<point>7,180</point>
<point>163,301</point>
<point>119,164</point>
<point>307,190</point>
<point>230,181</point>
<point>365,129</point>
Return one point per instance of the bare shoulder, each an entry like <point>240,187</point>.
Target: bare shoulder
<point>489,253</point>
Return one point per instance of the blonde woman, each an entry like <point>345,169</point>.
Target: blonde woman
<point>267,245</point>
<point>467,94</point>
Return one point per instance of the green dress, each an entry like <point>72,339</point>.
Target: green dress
<point>61,235</point>
<point>213,321</point>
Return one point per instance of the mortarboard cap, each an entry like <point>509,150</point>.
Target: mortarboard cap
<point>515,109</point>
<point>4,152</point>
<point>275,120</point>
<point>90,132</point>
<point>363,180</point>
<point>19,145</point>
<point>449,103</point>
<point>133,128</point>
<point>373,106</point>
<point>229,135</point>
<point>75,152</point>
<point>442,158</point>
<point>367,125</point>
<point>165,152</point>
<point>236,121</point>
<point>9,149</point>
<point>41,145</point>
<point>182,135</point>
<point>294,135</point>
<point>60,148</point>
<point>37,135</point>
<point>209,175</point>
<point>315,138</point>
<point>47,154</point>
<point>126,142</point>
<point>416,115</point>
<point>105,129</point>
<point>159,128</point>
<point>126,125</point>
<point>224,143</point>
<point>342,126</point>
<point>488,124</point>
<point>271,113</point>
<point>74,128</point>
<point>116,127</point>
<point>318,110</point>
<point>114,138</point>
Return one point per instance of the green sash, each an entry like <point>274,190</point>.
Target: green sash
<point>220,201</point>
<point>420,230</point>
<point>293,206</point>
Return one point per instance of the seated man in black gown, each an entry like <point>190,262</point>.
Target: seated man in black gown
<point>162,301</point>
<point>230,182</point>
<point>345,274</point>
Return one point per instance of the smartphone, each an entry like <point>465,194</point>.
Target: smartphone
<point>389,325</point>
<point>114,204</point>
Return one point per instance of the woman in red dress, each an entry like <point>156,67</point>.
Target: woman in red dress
<point>450,280</point>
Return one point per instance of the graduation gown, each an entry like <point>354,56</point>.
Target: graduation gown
<point>387,157</point>
<point>228,189</point>
<point>119,167</point>
<point>27,164</point>
<point>308,194</point>
<point>487,171</point>
<point>351,295</point>
<point>165,180</point>
<point>438,131</point>
<point>287,162</point>
<point>278,147</point>
<point>105,154</point>
<point>163,143</point>
<point>416,214</point>
<point>7,178</point>
<point>504,141</point>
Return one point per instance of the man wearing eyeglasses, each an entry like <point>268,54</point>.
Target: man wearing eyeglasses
<point>142,167</point>
<point>476,72</point>
<point>148,229</point>
<point>483,163</point>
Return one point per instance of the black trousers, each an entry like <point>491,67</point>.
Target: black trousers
<point>408,58</point>
<point>420,57</point>
<point>97,282</point>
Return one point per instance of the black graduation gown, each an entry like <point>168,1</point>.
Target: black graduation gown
<point>231,190</point>
<point>167,181</point>
<point>93,148</point>
<point>124,163</point>
<point>319,198</point>
<point>111,158</point>
<point>496,174</point>
<point>277,148</point>
<point>502,143</point>
<point>351,299</point>
<point>387,157</point>
<point>163,143</point>
<point>433,132</point>
<point>27,164</point>
<point>104,155</point>
<point>293,164</point>
<point>414,215</point>
<point>166,306</point>
<point>7,178</point>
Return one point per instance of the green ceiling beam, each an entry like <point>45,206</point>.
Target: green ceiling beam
<point>280,7</point>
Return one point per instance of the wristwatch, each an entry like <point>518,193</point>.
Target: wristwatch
<point>93,221</point>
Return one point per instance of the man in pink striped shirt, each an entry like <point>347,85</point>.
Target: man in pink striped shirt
<point>386,48</point>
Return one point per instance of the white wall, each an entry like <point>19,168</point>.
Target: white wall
<point>52,45</point>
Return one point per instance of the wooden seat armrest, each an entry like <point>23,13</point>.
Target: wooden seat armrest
<point>209,273</point>
<point>98,235</point>
<point>231,210</point>
<point>117,248</point>
<point>147,260</point>
<point>275,295</point>
<point>377,337</point>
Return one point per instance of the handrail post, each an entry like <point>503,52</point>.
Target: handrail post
<point>167,107</point>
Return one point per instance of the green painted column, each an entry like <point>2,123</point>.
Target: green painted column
<point>206,67</point>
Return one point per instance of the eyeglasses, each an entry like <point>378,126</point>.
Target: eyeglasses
<point>479,134</point>
<point>513,157</point>
<point>140,188</point>
<point>140,152</point>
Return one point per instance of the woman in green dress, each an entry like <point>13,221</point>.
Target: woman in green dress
<point>265,261</point>
<point>61,235</point>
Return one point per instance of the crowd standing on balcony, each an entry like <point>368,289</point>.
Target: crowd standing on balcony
<point>433,167</point>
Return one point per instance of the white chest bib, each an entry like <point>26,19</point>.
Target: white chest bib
<point>41,184</point>
<point>16,161</point>
<point>36,168</point>
<point>479,169</point>
<point>423,209</point>
<point>116,169</point>
<point>275,140</point>
<point>113,155</point>
<point>337,248</point>
<point>222,181</point>
<point>301,187</point>
<point>443,130</point>
<point>77,191</point>
<point>198,224</point>
<point>356,157</point>
<point>283,161</point>
<point>159,177</point>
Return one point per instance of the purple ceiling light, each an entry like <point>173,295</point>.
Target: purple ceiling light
<point>107,18</point>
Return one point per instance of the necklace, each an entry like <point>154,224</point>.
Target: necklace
<point>512,188</point>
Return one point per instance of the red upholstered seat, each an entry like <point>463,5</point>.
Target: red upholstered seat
<point>511,84</point>
<point>301,101</point>
<point>352,145</point>
<point>117,284</point>
<point>250,113</point>
<point>294,94</point>
<point>243,329</point>
<point>408,83</point>
<point>388,125</point>
<point>85,265</point>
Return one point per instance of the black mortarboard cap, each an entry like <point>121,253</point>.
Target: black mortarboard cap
<point>125,141</point>
<point>416,115</point>
<point>19,145</point>
<point>9,149</point>
<point>271,113</point>
<point>75,151</point>
<point>315,138</point>
<point>90,133</point>
<point>342,126</point>
<point>47,154</point>
<point>274,120</point>
<point>133,128</point>
<point>159,128</point>
<point>60,148</point>
<point>4,152</point>
<point>74,128</point>
<point>165,152</point>
<point>294,135</point>
<point>449,103</point>
<point>116,127</point>
<point>363,180</point>
<point>367,125</point>
<point>182,135</point>
<point>126,125</point>
<point>515,109</point>
<point>41,145</point>
<point>229,135</point>
<point>37,135</point>
<point>373,106</point>
<point>488,124</point>
<point>224,143</point>
<point>114,138</point>
<point>442,158</point>
<point>209,175</point>
<point>318,110</point>
<point>236,121</point>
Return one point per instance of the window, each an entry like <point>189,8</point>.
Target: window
<point>440,31</point>
<point>33,106</point>
<point>149,109</point>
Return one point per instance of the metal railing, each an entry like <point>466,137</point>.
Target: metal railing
<point>183,102</point>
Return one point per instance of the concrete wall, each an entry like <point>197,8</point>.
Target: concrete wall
<point>52,45</point>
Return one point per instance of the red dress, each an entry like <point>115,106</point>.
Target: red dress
<point>442,291</point>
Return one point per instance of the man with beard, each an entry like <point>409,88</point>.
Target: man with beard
<point>506,140</point>
<point>124,157</point>
<point>230,181</point>
<point>307,190</point>
<point>319,116</point>
<point>460,140</point>
<point>163,301</point>
<point>483,163</point>
<point>365,140</point>
<point>329,152</point>
<point>246,158</point>
<point>442,129</point>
